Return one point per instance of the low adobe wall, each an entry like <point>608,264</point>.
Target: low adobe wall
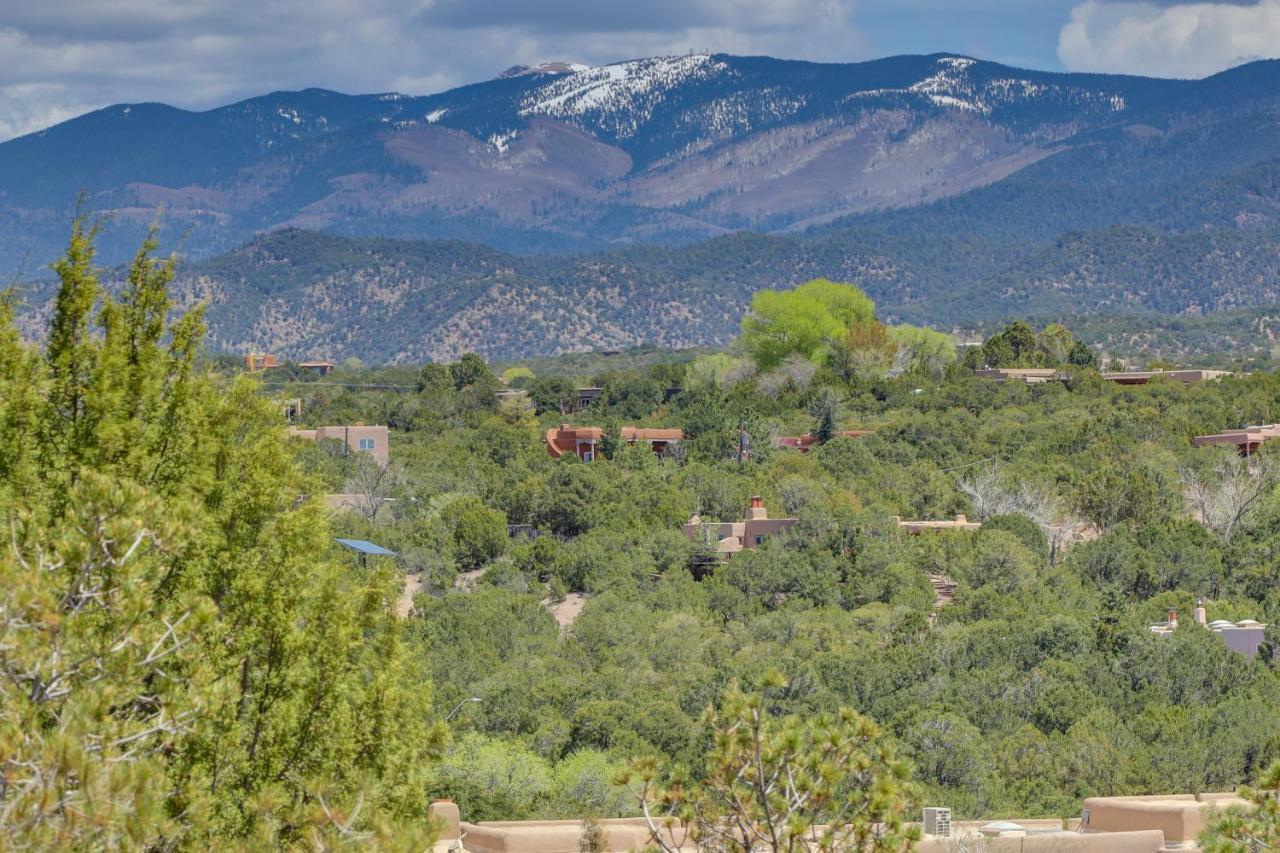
<point>1180,817</point>
<point>562,836</point>
<point>1146,841</point>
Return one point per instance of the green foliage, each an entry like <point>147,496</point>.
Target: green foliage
<point>1238,831</point>
<point>802,321</point>
<point>185,664</point>
<point>827,783</point>
<point>924,350</point>
<point>479,533</point>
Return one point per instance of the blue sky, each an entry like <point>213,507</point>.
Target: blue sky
<point>66,57</point>
<point>1012,31</point>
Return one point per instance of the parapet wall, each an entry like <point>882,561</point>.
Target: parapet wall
<point>1180,817</point>
<point>563,836</point>
<point>1149,824</point>
<point>1144,841</point>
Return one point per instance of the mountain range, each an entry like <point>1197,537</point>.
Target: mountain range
<point>564,207</point>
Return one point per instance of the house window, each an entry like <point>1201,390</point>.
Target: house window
<point>366,444</point>
<point>759,540</point>
<point>587,456</point>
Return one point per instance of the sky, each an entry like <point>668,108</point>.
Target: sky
<point>61,58</point>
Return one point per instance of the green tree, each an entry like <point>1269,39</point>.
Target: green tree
<point>1240,831</point>
<point>479,533</point>
<point>802,321</point>
<point>923,350</point>
<point>172,623</point>
<point>785,784</point>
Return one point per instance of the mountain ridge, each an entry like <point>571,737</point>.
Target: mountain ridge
<point>643,202</point>
<point>663,149</point>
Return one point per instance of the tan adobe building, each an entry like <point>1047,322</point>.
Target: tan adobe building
<point>324,368</point>
<point>1029,375</point>
<point>1246,440</point>
<point>957,523</point>
<point>256,362</point>
<point>1243,637</point>
<point>1142,377</point>
<point>374,440</point>
<point>734,536</point>
<point>1142,824</point>
<point>584,442</point>
<point>804,443</point>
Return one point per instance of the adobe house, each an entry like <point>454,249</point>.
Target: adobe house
<point>584,397</point>
<point>957,523</point>
<point>1142,377</point>
<point>324,368</point>
<point>256,362</point>
<point>584,442</point>
<point>1246,440</point>
<point>1243,637</point>
<point>1135,824</point>
<point>374,440</point>
<point>805,443</point>
<point>734,536</point>
<point>1029,375</point>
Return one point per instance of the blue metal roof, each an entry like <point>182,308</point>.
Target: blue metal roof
<point>366,547</point>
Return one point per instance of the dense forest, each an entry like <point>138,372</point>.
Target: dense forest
<point>1035,685</point>
<point>190,660</point>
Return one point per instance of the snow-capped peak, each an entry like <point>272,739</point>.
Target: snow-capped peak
<point>553,67</point>
<point>952,85</point>
<point>621,96</point>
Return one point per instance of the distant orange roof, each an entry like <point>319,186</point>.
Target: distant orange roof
<point>582,440</point>
<point>804,443</point>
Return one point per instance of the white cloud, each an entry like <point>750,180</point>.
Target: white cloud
<point>65,57</point>
<point>1180,40</point>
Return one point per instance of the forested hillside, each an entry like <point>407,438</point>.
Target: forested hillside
<point>302,294</point>
<point>641,203</point>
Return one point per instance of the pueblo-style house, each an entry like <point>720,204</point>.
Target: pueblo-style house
<point>373,440</point>
<point>730,537</point>
<point>1246,440</point>
<point>584,442</point>
<point>936,526</point>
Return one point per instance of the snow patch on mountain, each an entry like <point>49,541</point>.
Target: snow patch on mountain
<point>619,98</point>
<point>954,85</point>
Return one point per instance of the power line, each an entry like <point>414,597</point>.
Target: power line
<point>968,464</point>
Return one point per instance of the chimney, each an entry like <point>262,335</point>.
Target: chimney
<point>1173,617</point>
<point>757,510</point>
<point>444,814</point>
<point>1198,615</point>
